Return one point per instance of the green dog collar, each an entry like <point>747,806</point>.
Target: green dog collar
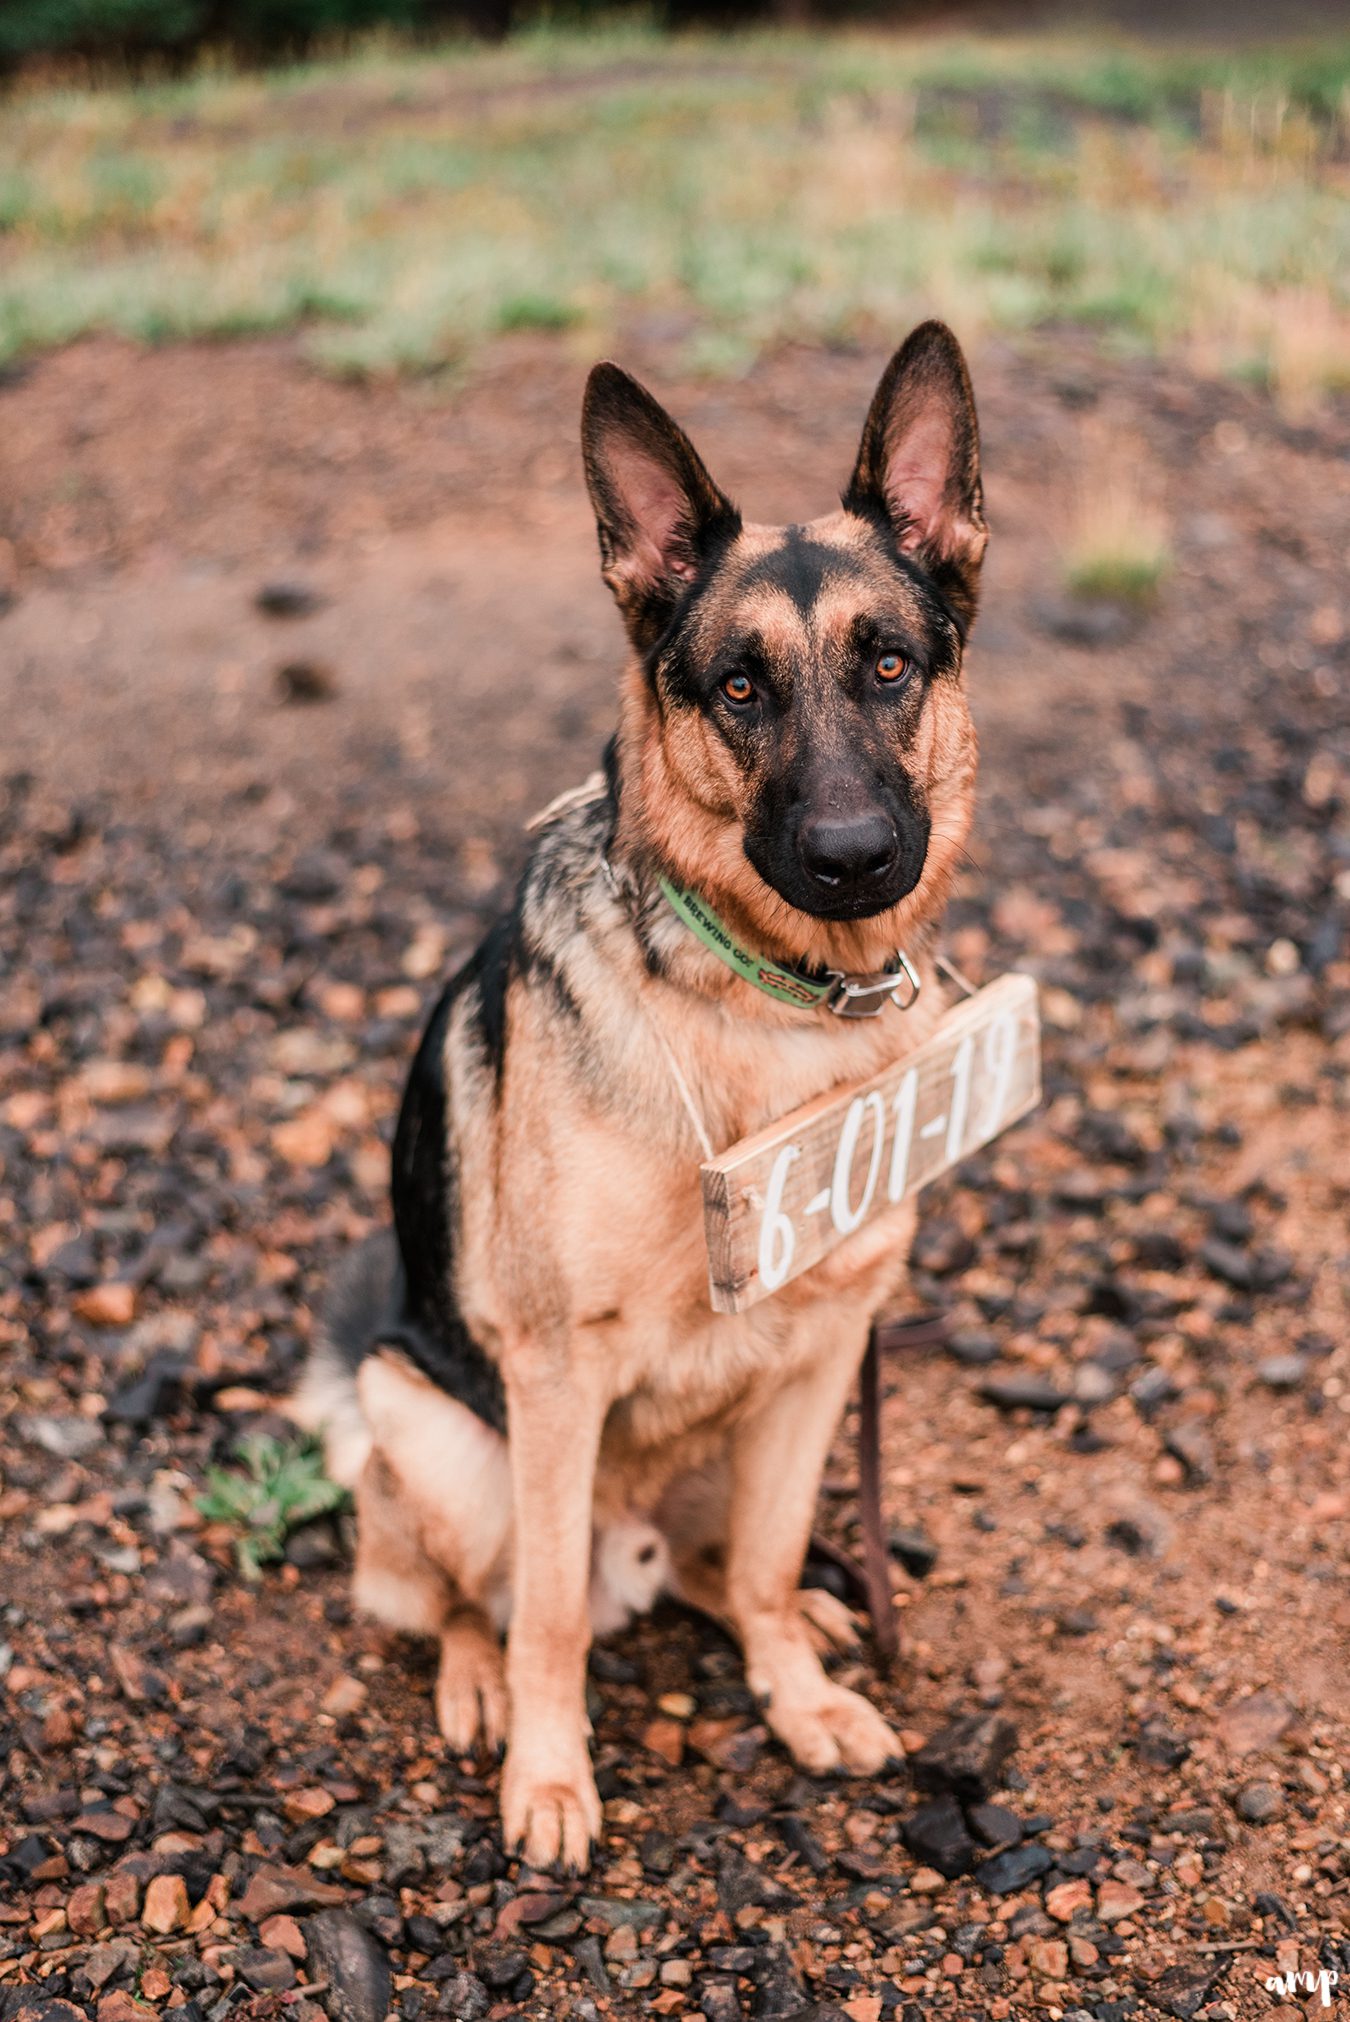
<point>846,996</point>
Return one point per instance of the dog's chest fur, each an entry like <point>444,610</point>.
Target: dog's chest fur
<point>571,1189</point>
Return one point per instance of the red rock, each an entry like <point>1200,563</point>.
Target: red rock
<point>282,1934</point>
<point>120,2006</point>
<point>1048,1958</point>
<point>1251,1725</point>
<point>278,1888</point>
<point>121,1897</point>
<point>166,1907</point>
<point>302,1805</point>
<point>1116,1900</point>
<point>139,1681</point>
<point>105,1824</point>
<point>85,1912</point>
<point>345,1696</point>
<point>110,1305</point>
<point>666,1739</point>
<point>1065,1900</point>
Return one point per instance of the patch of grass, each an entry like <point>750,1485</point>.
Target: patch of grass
<point>536,312</point>
<point>407,206</point>
<point>1122,577</point>
<point>1301,342</point>
<point>1118,545</point>
<point>280,1486</point>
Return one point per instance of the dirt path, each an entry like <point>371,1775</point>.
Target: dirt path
<point>222,913</point>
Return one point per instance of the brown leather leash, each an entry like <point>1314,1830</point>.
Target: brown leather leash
<point>873,1577</point>
<point>876,1559</point>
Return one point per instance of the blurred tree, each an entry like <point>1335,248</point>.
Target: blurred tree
<point>134,30</point>
<point>97,27</point>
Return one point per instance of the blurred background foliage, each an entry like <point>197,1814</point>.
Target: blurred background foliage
<point>136,30</point>
<point>398,199</point>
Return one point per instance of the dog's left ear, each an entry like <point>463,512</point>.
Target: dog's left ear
<point>919,462</point>
<point>660,516</point>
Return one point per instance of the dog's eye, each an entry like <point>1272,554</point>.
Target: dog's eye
<point>892,667</point>
<point>738,688</point>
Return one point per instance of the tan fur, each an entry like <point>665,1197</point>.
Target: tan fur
<point>324,1401</point>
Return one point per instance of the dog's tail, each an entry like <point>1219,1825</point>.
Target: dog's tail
<point>361,1305</point>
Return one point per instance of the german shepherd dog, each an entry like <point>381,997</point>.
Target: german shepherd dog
<point>544,1421</point>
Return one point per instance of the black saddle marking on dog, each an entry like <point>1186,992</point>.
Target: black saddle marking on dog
<point>427,1323</point>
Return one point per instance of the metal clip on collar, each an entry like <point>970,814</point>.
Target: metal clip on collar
<point>868,996</point>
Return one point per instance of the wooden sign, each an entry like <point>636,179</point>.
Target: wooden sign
<point>775,1203</point>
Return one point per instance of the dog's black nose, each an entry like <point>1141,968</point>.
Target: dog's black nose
<point>856,849</point>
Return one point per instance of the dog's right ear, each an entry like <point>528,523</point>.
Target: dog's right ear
<point>660,517</point>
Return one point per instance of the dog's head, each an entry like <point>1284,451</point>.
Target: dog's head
<point>795,730</point>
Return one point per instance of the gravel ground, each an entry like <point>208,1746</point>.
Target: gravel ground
<point>241,841</point>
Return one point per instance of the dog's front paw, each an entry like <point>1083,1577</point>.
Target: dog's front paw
<point>834,1729</point>
<point>471,1687</point>
<point>829,1624</point>
<point>550,1812</point>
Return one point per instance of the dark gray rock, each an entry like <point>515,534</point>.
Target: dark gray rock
<point>591,1960</point>
<point>741,1885</point>
<point>966,1758</point>
<point>1282,1372</point>
<point>1245,1270</point>
<point>1160,1747</point>
<point>995,1825</point>
<point>499,1967</point>
<point>798,1838</point>
<point>620,1912</point>
<point>779,1991</point>
<point>1013,1870</point>
<point>942,1248</point>
<point>288,599</point>
<point>30,2007</point>
<point>732,1958</point>
<point>465,1998</point>
<point>1184,1990</point>
<point>1193,1447</point>
<point>305,681</point>
<point>1029,1393</point>
<point>1133,1536</point>
<point>936,1834</point>
<point>973,1347</point>
<point>1080,1621</point>
<point>1159,1250</point>
<point>355,1964</point>
<point>718,2002</point>
<point>1231,1221</point>
<point>265,1971</point>
<point>314,1546</point>
<point>915,1550</point>
<point>1227,1262</point>
<point>154,1393</point>
<point>1151,1390</point>
<point>1259,1803</point>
